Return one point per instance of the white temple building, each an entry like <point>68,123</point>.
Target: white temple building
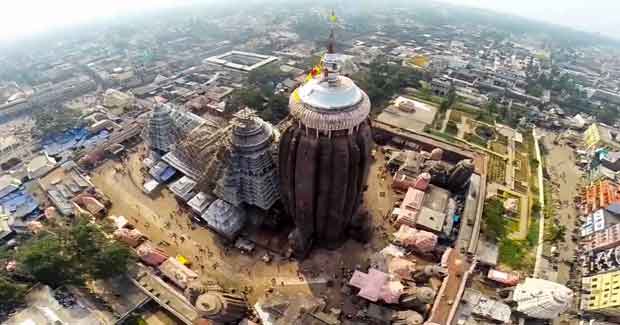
<point>543,299</point>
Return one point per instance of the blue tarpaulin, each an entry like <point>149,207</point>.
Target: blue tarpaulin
<point>162,172</point>
<point>19,203</point>
<point>73,139</point>
<point>167,174</point>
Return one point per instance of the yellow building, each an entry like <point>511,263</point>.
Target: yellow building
<point>419,61</point>
<point>604,296</point>
<point>601,136</point>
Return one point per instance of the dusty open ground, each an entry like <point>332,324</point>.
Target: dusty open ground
<point>161,220</point>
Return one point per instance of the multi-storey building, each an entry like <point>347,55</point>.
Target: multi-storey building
<point>603,293</point>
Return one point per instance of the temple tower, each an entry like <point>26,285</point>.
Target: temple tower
<point>324,156</point>
<point>250,176</point>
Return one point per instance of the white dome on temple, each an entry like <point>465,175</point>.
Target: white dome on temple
<point>332,102</point>
<point>543,299</point>
<point>319,94</point>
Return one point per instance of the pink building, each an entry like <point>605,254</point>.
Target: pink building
<point>409,208</point>
<point>376,285</point>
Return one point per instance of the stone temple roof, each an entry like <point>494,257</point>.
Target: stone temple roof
<point>249,172</point>
<point>224,218</point>
<point>166,126</point>
<point>160,131</point>
<point>251,133</point>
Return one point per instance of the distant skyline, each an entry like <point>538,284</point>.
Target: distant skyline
<point>23,18</point>
<point>596,16</point>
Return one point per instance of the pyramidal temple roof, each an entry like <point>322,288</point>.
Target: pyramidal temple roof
<point>165,126</point>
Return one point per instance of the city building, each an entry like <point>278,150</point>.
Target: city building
<point>476,306</point>
<point>11,147</point>
<point>40,165</point>
<point>8,184</point>
<point>325,156</point>
<point>602,294</point>
<point>597,221</point>
<point>408,114</point>
<point>606,238</point>
<point>460,175</point>
<point>160,132</point>
<point>600,195</point>
<point>243,61</point>
<point>601,136</point>
<point>440,87</point>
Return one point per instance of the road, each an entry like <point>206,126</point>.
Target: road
<point>565,180</point>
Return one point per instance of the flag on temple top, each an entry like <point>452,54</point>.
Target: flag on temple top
<point>333,17</point>
<point>296,96</point>
<point>314,72</point>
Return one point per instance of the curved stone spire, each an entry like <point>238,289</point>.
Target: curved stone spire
<point>325,157</point>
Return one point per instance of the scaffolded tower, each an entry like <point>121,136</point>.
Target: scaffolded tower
<point>250,174</point>
<point>160,132</point>
<point>324,156</point>
<point>166,126</point>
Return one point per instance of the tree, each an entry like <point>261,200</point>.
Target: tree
<point>266,77</point>
<point>383,80</point>
<point>56,120</point>
<point>277,106</point>
<point>425,92</point>
<point>11,292</point>
<point>555,233</point>
<point>451,97</point>
<point>607,114</point>
<point>241,98</point>
<point>444,106</point>
<point>47,260</point>
<point>493,213</point>
<point>73,254</point>
<point>492,107</point>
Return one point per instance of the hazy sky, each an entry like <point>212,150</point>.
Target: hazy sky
<point>20,18</point>
<point>589,15</point>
